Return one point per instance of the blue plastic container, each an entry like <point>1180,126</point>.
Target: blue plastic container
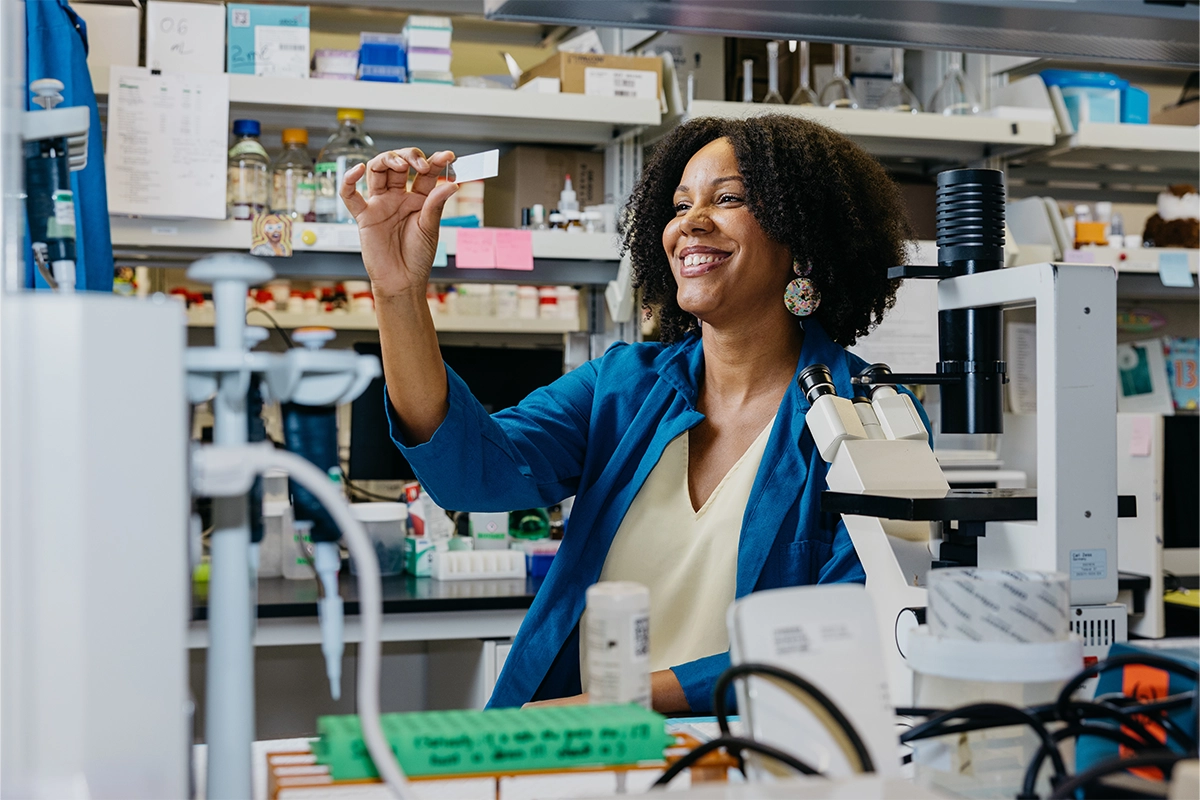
<point>1089,96</point>
<point>1135,106</point>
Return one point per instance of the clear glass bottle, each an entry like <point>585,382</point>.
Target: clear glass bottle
<point>293,187</point>
<point>773,95</point>
<point>748,80</point>
<point>351,145</point>
<point>955,96</point>
<point>839,92</point>
<point>804,95</point>
<point>246,187</point>
<point>898,97</point>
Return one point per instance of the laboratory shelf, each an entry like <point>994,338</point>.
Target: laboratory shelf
<point>447,323</point>
<point>558,257</point>
<point>1126,163</point>
<point>445,112</point>
<point>901,136</point>
<point>230,234</point>
<point>1143,261</point>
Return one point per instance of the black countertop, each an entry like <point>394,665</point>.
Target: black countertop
<point>402,594</point>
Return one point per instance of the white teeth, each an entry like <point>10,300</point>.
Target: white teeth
<point>693,259</point>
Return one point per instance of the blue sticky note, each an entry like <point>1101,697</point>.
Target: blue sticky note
<point>1174,270</point>
<point>439,258</point>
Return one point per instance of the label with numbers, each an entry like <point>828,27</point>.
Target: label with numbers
<point>641,84</point>
<point>1089,565</point>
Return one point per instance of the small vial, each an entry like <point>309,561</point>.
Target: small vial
<point>537,217</point>
<point>526,219</point>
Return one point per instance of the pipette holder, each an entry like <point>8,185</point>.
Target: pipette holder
<point>222,374</point>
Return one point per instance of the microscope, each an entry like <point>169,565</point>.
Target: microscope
<point>886,483</point>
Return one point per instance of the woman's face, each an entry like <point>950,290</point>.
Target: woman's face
<point>725,266</point>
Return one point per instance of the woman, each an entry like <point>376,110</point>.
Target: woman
<point>764,244</point>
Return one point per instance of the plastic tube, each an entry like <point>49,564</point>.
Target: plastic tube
<point>370,594</point>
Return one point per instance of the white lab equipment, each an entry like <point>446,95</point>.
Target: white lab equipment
<point>828,636</point>
<point>895,502</point>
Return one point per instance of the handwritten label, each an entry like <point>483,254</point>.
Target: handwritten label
<point>185,37</point>
<point>514,249</point>
<point>476,248</point>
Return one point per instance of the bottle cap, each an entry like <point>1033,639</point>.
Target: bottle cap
<point>350,113</point>
<point>295,136</point>
<point>246,127</point>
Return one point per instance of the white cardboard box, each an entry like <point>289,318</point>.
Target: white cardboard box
<point>112,33</point>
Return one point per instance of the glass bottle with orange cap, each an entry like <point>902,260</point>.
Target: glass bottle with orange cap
<point>293,187</point>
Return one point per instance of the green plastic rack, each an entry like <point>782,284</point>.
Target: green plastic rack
<point>510,740</point>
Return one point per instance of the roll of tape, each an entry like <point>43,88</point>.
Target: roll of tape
<point>984,605</point>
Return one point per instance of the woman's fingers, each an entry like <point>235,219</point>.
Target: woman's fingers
<point>424,183</point>
<point>431,211</point>
<point>355,203</point>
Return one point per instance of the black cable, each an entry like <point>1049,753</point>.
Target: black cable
<point>995,711</point>
<point>732,743</point>
<point>1072,732</point>
<point>1143,659</point>
<point>1169,725</point>
<point>278,329</point>
<point>1164,759</point>
<point>720,708</point>
<point>1095,710</point>
<point>916,712</point>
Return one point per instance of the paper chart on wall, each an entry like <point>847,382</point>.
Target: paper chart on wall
<point>907,339</point>
<point>167,146</point>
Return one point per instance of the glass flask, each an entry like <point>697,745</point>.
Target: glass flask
<point>955,96</point>
<point>748,80</point>
<point>804,95</point>
<point>839,93</point>
<point>898,97</point>
<point>773,95</point>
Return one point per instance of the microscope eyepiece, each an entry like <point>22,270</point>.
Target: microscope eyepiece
<point>815,380</point>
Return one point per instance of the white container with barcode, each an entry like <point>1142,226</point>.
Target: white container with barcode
<point>618,643</point>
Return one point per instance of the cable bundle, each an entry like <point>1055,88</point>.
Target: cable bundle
<point>1077,718</point>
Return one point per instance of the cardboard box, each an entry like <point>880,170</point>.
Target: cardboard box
<point>530,175</point>
<point>1186,114</point>
<point>609,76</point>
<point>267,40</point>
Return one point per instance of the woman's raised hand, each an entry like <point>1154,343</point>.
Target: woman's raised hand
<point>397,225</point>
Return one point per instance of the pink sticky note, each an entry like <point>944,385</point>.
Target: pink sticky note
<point>1140,435</point>
<point>514,249</point>
<point>476,248</point>
<point>1079,257</point>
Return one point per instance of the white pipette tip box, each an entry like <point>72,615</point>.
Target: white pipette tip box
<point>471,565</point>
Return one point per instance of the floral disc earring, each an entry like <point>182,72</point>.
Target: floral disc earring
<point>801,296</point>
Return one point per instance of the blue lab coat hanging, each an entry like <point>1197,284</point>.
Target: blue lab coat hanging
<point>56,47</point>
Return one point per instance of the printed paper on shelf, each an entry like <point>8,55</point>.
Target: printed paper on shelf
<point>167,143</point>
<point>642,84</point>
<point>514,249</point>
<point>476,248</point>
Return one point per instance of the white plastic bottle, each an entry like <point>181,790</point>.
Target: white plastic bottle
<point>566,198</point>
<point>618,643</point>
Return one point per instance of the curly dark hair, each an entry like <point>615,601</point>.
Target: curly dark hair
<point>810,188</point>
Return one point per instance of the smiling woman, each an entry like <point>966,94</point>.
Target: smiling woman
<point>812,191</point>
<point>766,245</point>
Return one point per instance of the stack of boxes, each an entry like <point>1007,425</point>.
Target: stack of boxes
<point>427,40</point>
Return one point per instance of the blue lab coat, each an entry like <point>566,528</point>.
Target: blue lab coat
<point>596,433</point>
<point>56,47</point>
